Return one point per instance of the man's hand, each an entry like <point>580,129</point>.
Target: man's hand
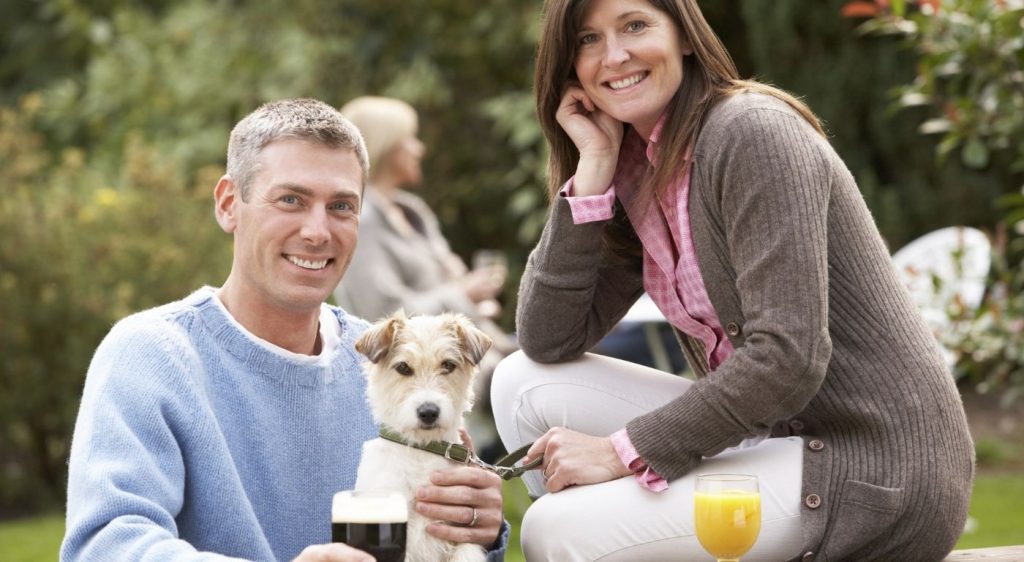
<point>572,458</point>
<point>334,552</point>
<point>452,497</point>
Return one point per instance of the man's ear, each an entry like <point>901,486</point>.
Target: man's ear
<point>224,197</point>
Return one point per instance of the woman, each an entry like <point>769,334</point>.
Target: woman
<point>402,259</point>
<point>724,201</point>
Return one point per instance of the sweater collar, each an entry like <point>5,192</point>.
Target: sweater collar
<point>275,364</point>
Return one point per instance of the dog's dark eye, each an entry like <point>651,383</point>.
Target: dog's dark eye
<point>403,369</point>
<point>448,366</point>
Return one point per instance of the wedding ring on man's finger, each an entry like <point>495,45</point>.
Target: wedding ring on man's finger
<point>472,522</point>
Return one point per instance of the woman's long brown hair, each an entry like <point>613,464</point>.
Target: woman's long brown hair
<point>709,75</point>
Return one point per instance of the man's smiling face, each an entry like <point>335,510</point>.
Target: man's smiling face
<point>295,235</point>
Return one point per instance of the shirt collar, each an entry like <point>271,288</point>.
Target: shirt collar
<point>656,136</point>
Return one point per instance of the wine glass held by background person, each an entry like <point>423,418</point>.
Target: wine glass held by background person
<point>220,426</point>
<point>723,199</point>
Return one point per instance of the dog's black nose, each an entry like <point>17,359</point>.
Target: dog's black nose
<point>427,413</point>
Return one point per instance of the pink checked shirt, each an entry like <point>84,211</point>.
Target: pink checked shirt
<point>670,270</point>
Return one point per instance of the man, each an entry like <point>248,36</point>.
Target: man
<point>220,426</point>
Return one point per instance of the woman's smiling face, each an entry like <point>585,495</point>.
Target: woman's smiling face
<point>629,60</point>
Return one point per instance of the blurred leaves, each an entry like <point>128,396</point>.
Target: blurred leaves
<point>77,252</point>
<point>114,120</point>
<point>115,114</point>
<point>988,343</point>
<point>970,71</point>
<point>970,77</point>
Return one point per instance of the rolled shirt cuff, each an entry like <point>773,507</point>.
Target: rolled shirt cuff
<point>645,476</point>
<point>591,208</point>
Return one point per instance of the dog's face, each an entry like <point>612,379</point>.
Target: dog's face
<point>420,372</point>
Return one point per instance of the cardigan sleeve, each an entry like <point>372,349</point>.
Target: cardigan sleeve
<point>766,180</point>
<point>569,295</point>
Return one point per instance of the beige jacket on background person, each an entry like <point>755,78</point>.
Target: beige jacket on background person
<point>393,268</point>
<point>828,344</point>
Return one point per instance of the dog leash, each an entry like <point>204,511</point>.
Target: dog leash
<point>504,467</point>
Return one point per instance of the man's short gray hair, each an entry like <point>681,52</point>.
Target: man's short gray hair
<point>302,119</point>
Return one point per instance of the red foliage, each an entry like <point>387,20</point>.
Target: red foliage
<point>874,8</point>
<point>860,10</point>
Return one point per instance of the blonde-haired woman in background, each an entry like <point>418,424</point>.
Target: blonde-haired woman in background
<point>402,259</point>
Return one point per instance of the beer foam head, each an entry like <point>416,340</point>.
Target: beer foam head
<point>369,507</point>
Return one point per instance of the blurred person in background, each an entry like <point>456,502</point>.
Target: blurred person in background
<point>403,261</point>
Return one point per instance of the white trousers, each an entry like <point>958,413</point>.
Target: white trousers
<point>620,520</point>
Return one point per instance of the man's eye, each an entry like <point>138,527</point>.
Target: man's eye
<point>448,366</point>
<point>403,369</point>
<point>343,206</point>
<point>289,199</point>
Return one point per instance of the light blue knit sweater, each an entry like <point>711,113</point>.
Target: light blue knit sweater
<point>195,439</point>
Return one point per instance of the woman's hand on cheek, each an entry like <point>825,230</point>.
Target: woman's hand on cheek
<point>593,131</point>
<point>596,135</point>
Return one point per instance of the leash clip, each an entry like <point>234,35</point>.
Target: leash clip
<point>505,472</point>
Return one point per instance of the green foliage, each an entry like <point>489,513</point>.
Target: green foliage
<point>846,79</point>
<point>77,252</point>
<point>988,343</point>
<point>970,73</point>
<point>513,117</point>
<point>970,80</point>
<point>114,129</point>
<point>114,117</point>
<point>179,80</point>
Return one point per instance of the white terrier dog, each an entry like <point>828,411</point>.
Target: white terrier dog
<point>420,383</point>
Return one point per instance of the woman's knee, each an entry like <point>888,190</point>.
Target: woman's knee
<point>548,530</point>
<point>508,378</point>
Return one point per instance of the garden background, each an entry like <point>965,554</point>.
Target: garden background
<point>114,118</point>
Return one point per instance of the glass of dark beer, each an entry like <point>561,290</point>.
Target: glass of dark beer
<point>373,522</point>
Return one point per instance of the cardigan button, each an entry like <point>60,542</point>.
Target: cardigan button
<point>813,501</point>
<point>796,425</point>
<point>816,444</point>
<point>732,329</point>
<point>807,557</point>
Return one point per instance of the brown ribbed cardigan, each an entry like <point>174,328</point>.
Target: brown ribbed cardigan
<point>828,344</point>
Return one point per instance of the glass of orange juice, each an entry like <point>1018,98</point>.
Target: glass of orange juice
<point>727,512</point>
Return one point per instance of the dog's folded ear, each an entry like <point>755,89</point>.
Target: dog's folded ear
<point>474,342</point>
<point>377,340</point>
